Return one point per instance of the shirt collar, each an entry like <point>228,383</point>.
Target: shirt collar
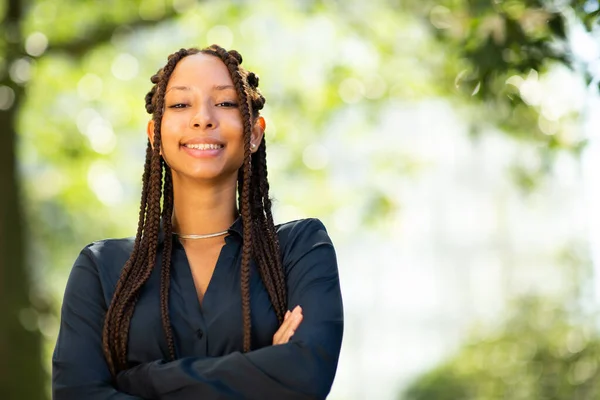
<point>235,228</point>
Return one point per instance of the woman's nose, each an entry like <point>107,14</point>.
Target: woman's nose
<point>203,119</point>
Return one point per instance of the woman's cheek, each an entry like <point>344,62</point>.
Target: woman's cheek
<point>170,129</point>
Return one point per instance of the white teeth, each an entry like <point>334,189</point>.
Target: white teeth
<point>203,146</point>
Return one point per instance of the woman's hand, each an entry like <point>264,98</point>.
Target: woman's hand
<point>291,322</point>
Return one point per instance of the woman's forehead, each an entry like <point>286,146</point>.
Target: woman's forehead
<point>200,70</point>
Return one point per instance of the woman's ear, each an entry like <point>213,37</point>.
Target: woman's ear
<point>258,131</point>
<point>150,131</point>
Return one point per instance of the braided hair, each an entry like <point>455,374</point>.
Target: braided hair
<point>260,241</point>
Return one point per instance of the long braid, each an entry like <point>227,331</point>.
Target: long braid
<point>262,210</point>
<point>139,266</point>
<point>108,329</point>
<point>151,232</point>
<point>264,256</point>
<point>259,163</point>
<point>143,265</point>
<point>166,261</point>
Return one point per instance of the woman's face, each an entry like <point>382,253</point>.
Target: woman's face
<point>202,129</point>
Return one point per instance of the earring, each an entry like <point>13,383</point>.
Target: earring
<point>253,146</point>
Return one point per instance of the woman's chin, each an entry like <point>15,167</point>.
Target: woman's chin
<point>215,175</point>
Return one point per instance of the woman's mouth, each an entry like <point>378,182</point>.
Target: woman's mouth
<point>203,150</point>
<point>204,146</point>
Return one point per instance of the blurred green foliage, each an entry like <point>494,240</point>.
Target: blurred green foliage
<point>543,350</point>
<point>542,347</point>
<point>492,48</point>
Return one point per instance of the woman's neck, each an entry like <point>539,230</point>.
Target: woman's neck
<point>203,208</point>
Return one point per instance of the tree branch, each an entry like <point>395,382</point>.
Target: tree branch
<point>103,33</point>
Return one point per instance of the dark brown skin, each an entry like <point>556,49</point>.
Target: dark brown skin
<point>200,192</point>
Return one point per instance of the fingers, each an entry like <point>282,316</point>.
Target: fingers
<point>288,327</point>
<point>290,323</point>
<point>279,336</point>
<point>295,321</point>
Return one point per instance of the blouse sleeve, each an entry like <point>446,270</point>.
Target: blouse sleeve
<point>79,369</point>
<point>303,368</point>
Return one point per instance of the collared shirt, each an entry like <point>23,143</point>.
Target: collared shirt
<point>208,338</point>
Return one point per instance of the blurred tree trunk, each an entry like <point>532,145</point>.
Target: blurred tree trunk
<point>21,373</point>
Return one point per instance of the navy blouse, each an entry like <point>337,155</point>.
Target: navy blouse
<point>208,339</point>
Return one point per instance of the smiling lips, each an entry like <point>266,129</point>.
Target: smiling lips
<point>203,146</point>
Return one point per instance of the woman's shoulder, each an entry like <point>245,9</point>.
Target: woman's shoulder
<point>109,254</point>
<point>300,227</point>
<point>111,248</point>
<point>298,237</point>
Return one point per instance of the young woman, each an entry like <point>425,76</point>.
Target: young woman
<point>210,300</point>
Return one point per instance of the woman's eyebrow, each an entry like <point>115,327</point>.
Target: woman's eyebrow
<point>223,87</point>
<point>177,88</point>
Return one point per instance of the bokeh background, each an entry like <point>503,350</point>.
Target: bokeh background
<point>450,147</point>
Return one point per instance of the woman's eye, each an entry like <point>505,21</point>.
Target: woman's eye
<point>178,105</point>
<point>227,104</point>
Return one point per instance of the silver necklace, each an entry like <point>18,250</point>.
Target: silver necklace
<point>205,236</point>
